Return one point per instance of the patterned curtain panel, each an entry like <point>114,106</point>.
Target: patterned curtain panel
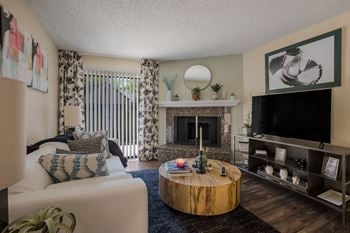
<point>148,110</point>
<point>71,86</point>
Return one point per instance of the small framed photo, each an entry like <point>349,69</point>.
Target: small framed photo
<point>280,155</point>
<point>243,146</point>
<point>330,167</point>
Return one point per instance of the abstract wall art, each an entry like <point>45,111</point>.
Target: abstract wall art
<point>311,64</point>
<point>22,57</point>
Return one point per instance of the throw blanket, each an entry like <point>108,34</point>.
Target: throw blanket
<point>114,148</point>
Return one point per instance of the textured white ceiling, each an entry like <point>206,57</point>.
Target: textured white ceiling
<point>176,29</point>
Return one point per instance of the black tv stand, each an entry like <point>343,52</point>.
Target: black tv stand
<point>311,171</point>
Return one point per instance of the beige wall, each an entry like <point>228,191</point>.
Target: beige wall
<point>111,64</point>
<point>226,70</point>
<point>254,73</point>
<point>41,112</point>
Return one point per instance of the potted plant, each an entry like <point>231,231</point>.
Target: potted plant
<point>176,97</point>
<point>232,96</point>
<point>216,88</point>
<point>196,93</point>
<point>169,83</point>
<point>247,125</point>
<point>49,220</point>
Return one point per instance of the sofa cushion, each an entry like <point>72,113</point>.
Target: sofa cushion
<point>104,142</point>
<point>89,145</point>
<point>59,138</point>
<point>65,167</point>
<point>114,164</point>
<point>57,145</point>
<point>35,176</point>
<point>90,181</point>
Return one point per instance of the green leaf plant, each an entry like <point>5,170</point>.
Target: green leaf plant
<point>49,220</point>
<point>216,87</point>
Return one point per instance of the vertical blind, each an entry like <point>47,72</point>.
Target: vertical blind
<point>111,103</point>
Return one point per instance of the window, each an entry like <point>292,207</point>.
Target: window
<point>111,103</point>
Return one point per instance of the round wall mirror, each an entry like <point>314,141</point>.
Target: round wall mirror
<point>197,76</point>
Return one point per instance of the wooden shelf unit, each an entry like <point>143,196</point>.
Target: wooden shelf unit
<point>313,182</point>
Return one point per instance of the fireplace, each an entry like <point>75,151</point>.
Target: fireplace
<point>180,133</point>
<point>185,130</point>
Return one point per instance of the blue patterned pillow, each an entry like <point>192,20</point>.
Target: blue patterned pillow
<point>65,167</point>
<point>88,135</point>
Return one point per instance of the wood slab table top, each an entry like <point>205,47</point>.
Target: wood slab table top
<point>202,194</point>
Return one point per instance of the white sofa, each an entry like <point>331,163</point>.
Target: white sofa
<point>112,204</point>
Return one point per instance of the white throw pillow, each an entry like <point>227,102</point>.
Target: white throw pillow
<point>58,145</point>
<point>35,176</point>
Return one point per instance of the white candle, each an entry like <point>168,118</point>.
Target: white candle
<point>224,94</point>
<point>200,138</point>
<point>196,127</point>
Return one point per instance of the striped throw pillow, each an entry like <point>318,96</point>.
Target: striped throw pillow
<point>60,151</point>
<point>66,167</point>
<point>104,141</point>
<point>90,145</point>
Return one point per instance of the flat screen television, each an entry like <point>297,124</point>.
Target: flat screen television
<point>302,115</point>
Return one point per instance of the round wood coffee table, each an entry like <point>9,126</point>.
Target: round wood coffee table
<point>202,194</point>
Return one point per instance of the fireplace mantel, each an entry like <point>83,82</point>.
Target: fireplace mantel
<point>198,103</point>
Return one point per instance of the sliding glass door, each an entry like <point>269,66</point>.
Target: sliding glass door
<point>111,103</point>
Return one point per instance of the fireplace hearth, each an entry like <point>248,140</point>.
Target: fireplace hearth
<point>180,133</point>
<point>185,130</point>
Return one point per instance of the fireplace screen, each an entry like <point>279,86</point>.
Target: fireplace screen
<point>185,130</point>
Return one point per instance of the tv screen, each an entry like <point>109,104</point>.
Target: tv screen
<point>302,115</point>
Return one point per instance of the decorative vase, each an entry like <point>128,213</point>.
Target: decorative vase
<point>204,160</point>
<point>201,162</point>
<point>269,170</point>
<point>215,96</point>
<point>296,179</point>
<point>232,97</point>
<point>223,94</point>
<point>283,173</point>
<point>248,131</point>
<point>169,95</point>
<point>196,96</point>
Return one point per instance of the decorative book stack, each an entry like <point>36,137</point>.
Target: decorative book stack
<point>334,197</point>
<point>174,170</point>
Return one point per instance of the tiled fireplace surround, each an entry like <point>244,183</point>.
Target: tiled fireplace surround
<point>170,151</point>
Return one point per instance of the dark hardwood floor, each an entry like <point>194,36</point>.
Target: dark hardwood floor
<point>136,165</point>
<point>283,209</point>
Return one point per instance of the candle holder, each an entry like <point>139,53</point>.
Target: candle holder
<point>197,146</point>
<point>196,153</point>
<point>201,163</point>
<point>180,163</point>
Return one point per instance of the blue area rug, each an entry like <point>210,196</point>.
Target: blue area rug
<point>165,219</point>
